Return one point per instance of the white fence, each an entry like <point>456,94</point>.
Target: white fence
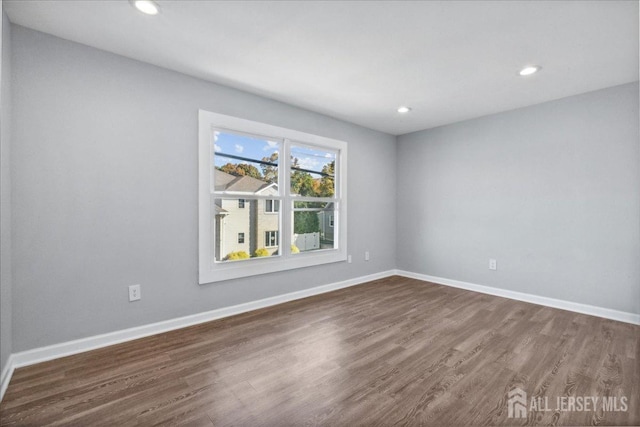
<point>308,241</point>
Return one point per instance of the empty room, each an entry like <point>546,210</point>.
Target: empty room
<point>320,213</point>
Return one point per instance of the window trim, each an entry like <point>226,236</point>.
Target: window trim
<point>209,270</point>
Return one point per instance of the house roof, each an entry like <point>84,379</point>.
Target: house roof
<point>222,180</point>
<point>239,184</point>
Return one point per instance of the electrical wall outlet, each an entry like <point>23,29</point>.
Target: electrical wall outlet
<point>493,264</point>
<point>366,256</point>
<point>134,292</point>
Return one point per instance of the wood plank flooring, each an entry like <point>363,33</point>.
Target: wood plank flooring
<point>392,352</point>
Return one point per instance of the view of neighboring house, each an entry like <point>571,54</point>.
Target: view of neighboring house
<point>245,224</point>
<point>326,219</point>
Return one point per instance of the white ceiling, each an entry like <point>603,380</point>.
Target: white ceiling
<point>358,61</point>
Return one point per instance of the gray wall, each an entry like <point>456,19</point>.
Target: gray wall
<point>5,195</point>
<point>551,191</point>
<point>105,192</point>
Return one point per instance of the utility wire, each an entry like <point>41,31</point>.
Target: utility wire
<point>264,162</point>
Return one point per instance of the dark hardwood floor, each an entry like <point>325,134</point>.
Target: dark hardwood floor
<point>393,352</point>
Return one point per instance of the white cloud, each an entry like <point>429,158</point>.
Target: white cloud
<point>329,155</point>
<point>216,134</point>
<point>239,148</point>
<point>217,148</point>
<point>270,145</point>
<point>308,163</point>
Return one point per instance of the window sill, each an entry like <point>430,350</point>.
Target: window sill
<point>257,266</point>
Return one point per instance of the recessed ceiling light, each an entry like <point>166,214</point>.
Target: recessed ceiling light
<point>527,71</point>
<point>146,6</point>
<point>403,109</point>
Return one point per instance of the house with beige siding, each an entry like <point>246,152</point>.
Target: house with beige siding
<point>245,224</point>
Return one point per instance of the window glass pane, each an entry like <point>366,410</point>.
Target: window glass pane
<point>313,226</point>
<point>244,233</point>
<point>312,172</point>
<point>245,164</point>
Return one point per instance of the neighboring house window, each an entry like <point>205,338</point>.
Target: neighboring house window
<point>271,206</point>
<point>242,163</point>
<point>271,238</point>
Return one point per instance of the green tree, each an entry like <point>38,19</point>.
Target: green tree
<point>304,184</point>
<point>270,173</point>
<point>305,222</point>
<point>327,182</point>
<point>301,182</point>
<point>241,169</point>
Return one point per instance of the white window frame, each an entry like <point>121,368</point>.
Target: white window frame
<point>211,271</point>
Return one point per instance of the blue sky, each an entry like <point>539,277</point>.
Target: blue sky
<point>257,148</point>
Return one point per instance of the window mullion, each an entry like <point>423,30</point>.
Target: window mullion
<point>286,238</point>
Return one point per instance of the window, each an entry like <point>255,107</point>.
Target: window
<point>271,206</point>
<point>271,238</point>
<point>287,188</point>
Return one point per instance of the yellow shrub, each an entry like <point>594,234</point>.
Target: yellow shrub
<point>233,256</point>
<point>261,252</point>
<point>294,249</point>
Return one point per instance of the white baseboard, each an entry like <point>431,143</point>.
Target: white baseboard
<point>592,310</point>
<point>43,354</point>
